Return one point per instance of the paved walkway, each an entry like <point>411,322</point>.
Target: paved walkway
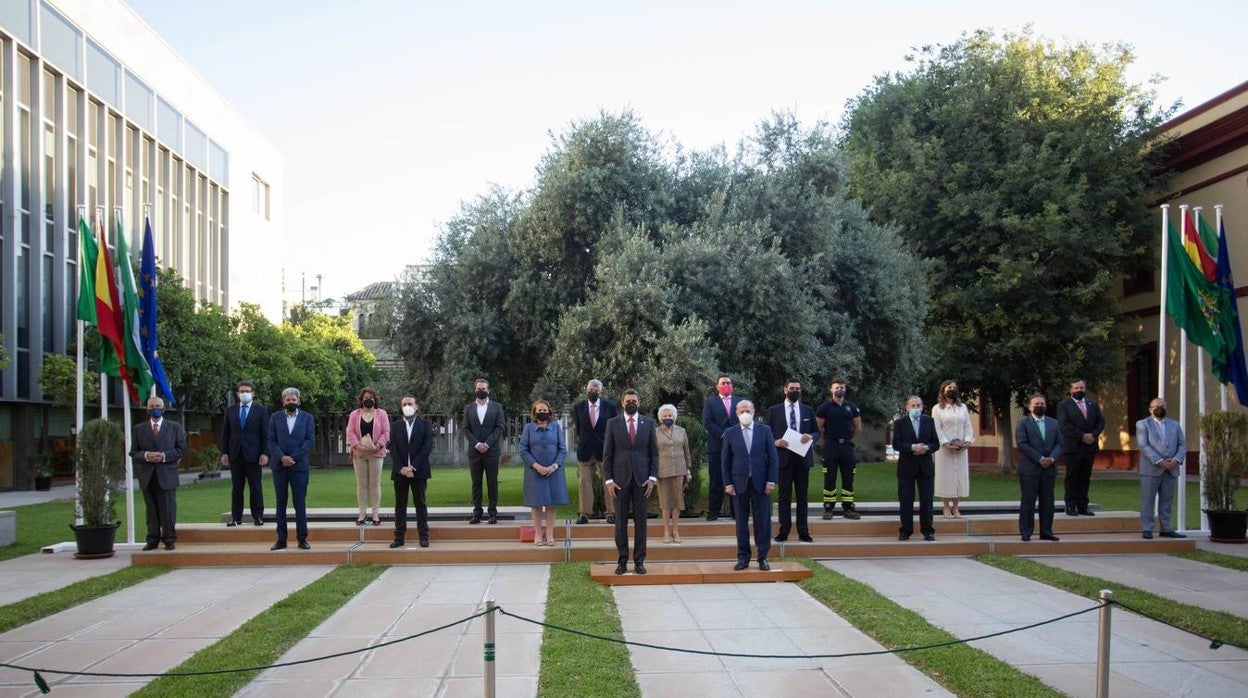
<point>757,619</point>
<point>150,627</point>
<point>968,598</point>
<point>1207,586</point>
<point>31,575</point>
<point>407,600</point>
<point>1224,548</point>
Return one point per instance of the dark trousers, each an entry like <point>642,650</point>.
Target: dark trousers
<point>838,459</point>
<point>1078,478</point>
<point>484,464</point>
<point>631,500</point>
<point>926,485</point>
<point>715,485</point>
<point>416,486</point>
<point>794,475</point>
<point>758,504</point>
<point>297,482</point>
<point>1035,485</point>
<point>247,474</point>
<point>162,511</point>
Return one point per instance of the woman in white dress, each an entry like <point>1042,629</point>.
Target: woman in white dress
<point>953,429</point>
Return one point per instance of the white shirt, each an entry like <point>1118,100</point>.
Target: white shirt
<point>290,420</point>
<point>481,408</point>
<point>634,421</point>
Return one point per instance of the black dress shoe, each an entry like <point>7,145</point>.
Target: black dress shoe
<point>852,515</point>
<point>903,536</point>
<point>1049,537</point>
<point>1071,511</point>
<point>712,517</point>
<point>929,537</point>
<point>1086,512</point>
<point>1026,538</point>
<point>397,544</point>
<point>1172,534</point>
<point>169,546</point>
<point>741,565</point>
<point>303,545</point>
<point>805,538</point>
<point>259,521</point>
<point>762,565</point>
<point>149,546</point>
<point>639,568</point>
<point>232,524</point>
<point>493,518</point>
<point>610,518</point>
<point>280,545</point>
<point>1148,535</point>
<point>621,568</point>
<point>781,537</point>
<point>476,519</point>
<point>424,541</point>
<point>583,520</point>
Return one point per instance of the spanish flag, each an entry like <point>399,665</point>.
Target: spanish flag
<point>108,314</point>
<point>1197,251</point>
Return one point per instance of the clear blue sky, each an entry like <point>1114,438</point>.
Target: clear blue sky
<point>391,112</point>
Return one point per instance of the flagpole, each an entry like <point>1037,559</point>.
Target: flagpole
<point>1161,327</point>
<point>80,395</point>
<point>99,233</point>
<point>1217,208</point>
<point>126,424</point>
<point>1202,458</point>
<point>1182,515</point>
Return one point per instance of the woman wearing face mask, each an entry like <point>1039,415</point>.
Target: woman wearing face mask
<point>368,432</point>
<point>543,449</point>
<point>953,428</point>
<point>674,462</point>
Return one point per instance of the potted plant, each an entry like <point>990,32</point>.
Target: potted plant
<point>43,472</point>
<point>1225,437</point>
<point>101,476</point>
<point>208,459</point>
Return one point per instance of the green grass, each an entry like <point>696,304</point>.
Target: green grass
<point>962,669</point>
<point>1217,624</point>
<point>57,600</point>
<point>1231,562</point>
<point>575,666</point>
<point>265,638</point>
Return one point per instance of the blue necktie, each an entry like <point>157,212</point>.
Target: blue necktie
<point>242,416</point>
<point>793,417</point>
<point>916,428</point>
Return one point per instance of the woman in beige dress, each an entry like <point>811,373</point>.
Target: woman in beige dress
<point>674,473</point>
<point>953,429</point>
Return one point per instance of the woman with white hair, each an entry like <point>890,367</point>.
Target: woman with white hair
<point>674,472</point>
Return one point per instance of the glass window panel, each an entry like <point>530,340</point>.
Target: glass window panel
<point>218,163</point>
<point>71,185</point>
<point>15,18</point>
<point>59,41</point>
<point>139,98</point>
<point>73,99</point>
<point>49,95</point>
<point>46,302</point>
<point>23,80</point>
<point>23,315</point>
<point>103,73</point>
<point>168,124</point>
<point>24,158</point>
<point>49,169</point>
<point>196,146</point>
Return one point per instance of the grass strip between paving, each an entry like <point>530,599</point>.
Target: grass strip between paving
<point>1217,624</point>
<point>52,602</point>
<point>962,669</point>
<point>1231,562</point>
<point>575,666</point>
<point>266,637</point>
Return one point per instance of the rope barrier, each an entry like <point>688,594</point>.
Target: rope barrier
<point>1214,643</point>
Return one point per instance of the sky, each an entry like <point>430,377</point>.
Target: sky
<point>391,113</point>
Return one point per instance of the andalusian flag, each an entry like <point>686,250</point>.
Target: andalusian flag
<point>1199,305</point>
<point>88,251</point>
<point>108,315</point>
<point>140,379</point>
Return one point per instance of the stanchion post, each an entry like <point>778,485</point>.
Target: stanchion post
<point>489,647</point>
<point>1102,645</point>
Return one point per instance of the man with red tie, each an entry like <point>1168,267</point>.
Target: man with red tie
<point>156,449</point>
<point>591,416</point>
<point>630,472</point>
<point>1081,422</point>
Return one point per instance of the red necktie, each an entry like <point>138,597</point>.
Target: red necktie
<point>1083,407</point>
<point>155,430</point>
<point>593,414</point>
<point>632,432</point>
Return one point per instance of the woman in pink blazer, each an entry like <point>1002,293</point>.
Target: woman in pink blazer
<point>368,432</point>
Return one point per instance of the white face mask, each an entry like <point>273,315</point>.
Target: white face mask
<point>746,418</point>
<point>408,410</point>
<point>245,398</point>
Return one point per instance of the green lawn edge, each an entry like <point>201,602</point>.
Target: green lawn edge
<point>48,603</point>
<point>1215,624</point>
<point>960,668</point>
<point>1209,557</point>
<point>576,666</point>
<point>265,637</point>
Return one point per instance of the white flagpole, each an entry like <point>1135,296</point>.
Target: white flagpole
<point>80,397</point>
<point>1161,326</point>
<point>127,424</point>
<point>99,234</point>
<point>1217,208</point>
<point>1203,458</point>
<point>1182,515</point>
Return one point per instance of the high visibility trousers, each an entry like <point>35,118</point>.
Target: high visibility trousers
<point>838,459</point>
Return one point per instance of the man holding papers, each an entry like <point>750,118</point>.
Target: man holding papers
<point>793,422</point>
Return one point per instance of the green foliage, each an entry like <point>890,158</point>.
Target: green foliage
<point>208,459</point>
<point>1021,169</point>
<point>196,348</point>
<point>101,471</point>
<point>4,353</point>
<point>49,603</point>
<point>572,665</point>
<point>58,379</point>
<point>1226,446</point>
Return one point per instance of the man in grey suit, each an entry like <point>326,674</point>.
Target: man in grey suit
<point>1162,452</point>
<point>483,429</point>
<point>630,472</point>
<point>1039,440</point>
<point>156,448</point>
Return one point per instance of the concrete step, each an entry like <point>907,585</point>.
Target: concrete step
<point>699,573</point>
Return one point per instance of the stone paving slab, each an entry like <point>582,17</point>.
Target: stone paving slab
<point>967,598</point>
<point>1187,581</point>
<point>150,627</point>
<point>31,575</point>
<point>1238,550</point>
<point>754,619</point>
<point>404,601</point>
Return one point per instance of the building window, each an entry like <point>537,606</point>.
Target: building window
<point>260,196</point>
<point>1141,382</point>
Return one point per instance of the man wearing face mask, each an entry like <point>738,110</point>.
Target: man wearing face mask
<point>244,437</point>
<point>750,469</point>
<point>1039,441</point>
<point>291,435</point>
<point>793,414</point>
<point>411,442</point>
<point>156,447</point>
<point>1162,453</point>
<point>718,413</point>
<point>591,416</point>
<point>483,429</point>
<point>630,471</point>
<point>1082,423</point>
<point>915,440</point>
<point>840,421</point>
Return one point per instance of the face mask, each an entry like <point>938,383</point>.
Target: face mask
<point>1038,412</point>
<point>408,410</point>
<point>746,418</point>
<point>951,394</point>
<point>245,398</point>
<point>794,395</point>
<point>482,394</point>
<point>543,416</point>
<point>593,395</point>
<point>915,412</point>
<point>839,393</point>
<point>668,422</point>
<point>292,407</point>
<point>1078,394</point>
<point>1160,413</point>
<point>630,407</point>
<point>370,403</point>
<point>156,413</point>
<point>724,390</point>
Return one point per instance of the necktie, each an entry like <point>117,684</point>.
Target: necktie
<point>593,414</point>
<point>915,422</point>
<point>1083,407</point>
<point>748,438</point>
<point>1040,426</point>
<point>728,405</point>
<point>242,415</point>
<point>632,431</point>
<point>793,417</point>
<point>155,429</point>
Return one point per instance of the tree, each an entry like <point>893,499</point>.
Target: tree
<point>1020,168</point>
<point>342,365</point>
<point>199,353</point>
<point>4,353</point>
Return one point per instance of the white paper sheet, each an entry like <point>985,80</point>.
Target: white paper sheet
<point>794,440</point>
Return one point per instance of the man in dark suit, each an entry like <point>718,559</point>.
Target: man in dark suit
<point>591,416</point>
<point>244,437</point>
<point>291,435</point>
<point>411,442</point>
<point>1081,423</point>
<point>915,440</point>
<point>794,469</point>
<point>630,472</point>
<point>155,449</point>
<point>750,468</point>
<point>1038,439</point>
<point>483,428</point>
<point>718,413</point>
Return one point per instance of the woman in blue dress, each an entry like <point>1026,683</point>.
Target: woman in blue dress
<point>543,449</point>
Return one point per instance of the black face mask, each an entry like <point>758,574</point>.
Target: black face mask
<point>482,394</point>
<point>1038,412</point>
<point>951,394</point>
<point>370,403</point>
<point>543,416</point>
<point>292,407</point>
<point>1160,413</point>
<point>794,395</point>
<point>668,422</point>
<point>593,395</point>
<point>630,408</point>
<point>1078,394</point>
<point>839,393</point>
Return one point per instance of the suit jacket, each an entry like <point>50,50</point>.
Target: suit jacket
<point>761,463</point>
<point>778,421</point>
<point>486,432</point>
<point>171,442</point>
<point>628,463</point>
<point>296,443</point>
<point>716,421</point>
<point>1074,426</point>
<point>589,440</point>
<point>381,430</point>
<point>247,442</point>
<point>1033,448</point>
<point>910,465</point>
<point>1160,442</point>
<point>414,452</point>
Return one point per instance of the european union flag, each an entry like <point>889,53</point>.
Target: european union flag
<point>1232,369</point>
<point>147,313</point>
